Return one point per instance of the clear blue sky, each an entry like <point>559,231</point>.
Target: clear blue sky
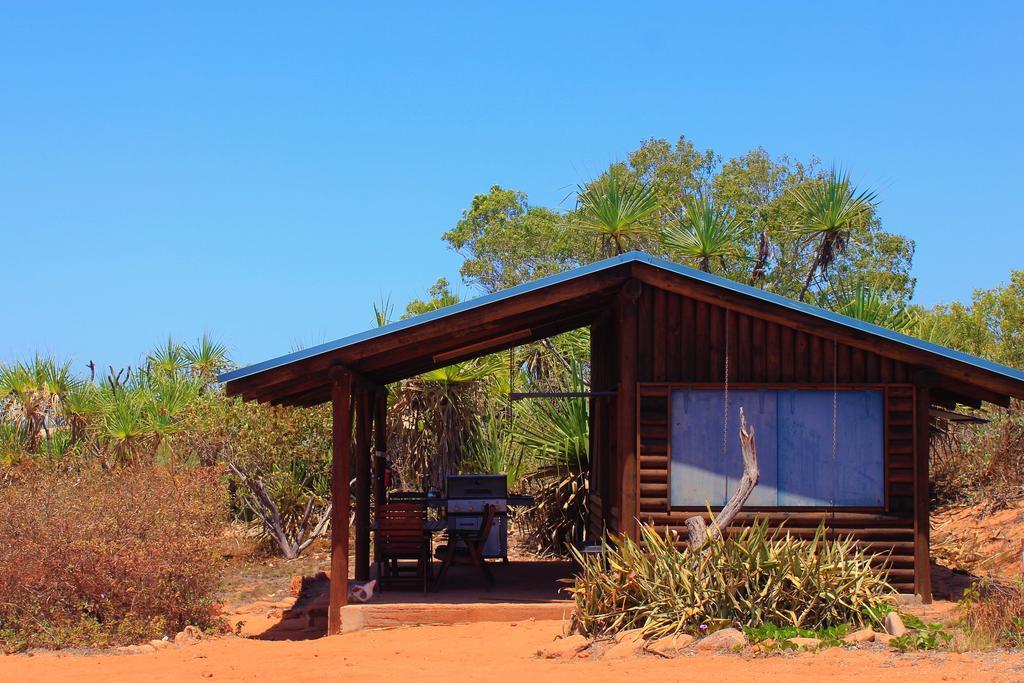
<point>265,171</point>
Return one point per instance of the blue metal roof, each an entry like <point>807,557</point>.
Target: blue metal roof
<point>631,257</point>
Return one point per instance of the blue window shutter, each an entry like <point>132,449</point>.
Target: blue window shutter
<point>760,407</point>
<point>806,475</point>
<point>860,453</point>
<point>698,474</point>
<point>794,436</point>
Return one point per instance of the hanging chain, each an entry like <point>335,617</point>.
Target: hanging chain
<point>725,411</point>
<point>835,417</point>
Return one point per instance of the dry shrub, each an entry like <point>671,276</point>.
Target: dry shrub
<point>976,463</point>
<point>100,557</point>
<point>994,614</point>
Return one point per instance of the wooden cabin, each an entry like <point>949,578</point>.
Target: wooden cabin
<point>841,409</point>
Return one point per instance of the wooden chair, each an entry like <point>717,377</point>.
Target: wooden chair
<point>401,538</point>
<point>467,547</point>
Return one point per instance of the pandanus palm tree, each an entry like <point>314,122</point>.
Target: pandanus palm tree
<point>829,209</point>
<point>863,302</point>
<point>616,208</point>
<point>703,232</point>
<point>32,394</point>
<point>206,358</point>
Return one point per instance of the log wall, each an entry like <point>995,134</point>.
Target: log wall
<point>685,342</point>
<point>889,531</point>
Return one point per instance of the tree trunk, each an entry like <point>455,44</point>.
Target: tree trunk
<point>810,276</point>
<point>696,527</point>
<point>758,272</point>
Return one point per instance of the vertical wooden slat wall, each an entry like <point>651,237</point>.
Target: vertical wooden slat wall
<point>683,341</point>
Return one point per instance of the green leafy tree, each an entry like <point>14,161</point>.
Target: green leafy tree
<point>675,172</point>
<point>757,187</point>
<point>440,295</point>
<point>991,326</point>
<point>506,242</point>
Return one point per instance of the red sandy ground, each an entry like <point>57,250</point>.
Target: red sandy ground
<point>485,652</point>
<point>965,539</point>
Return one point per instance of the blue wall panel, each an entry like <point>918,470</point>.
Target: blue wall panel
<point>860,460</point>
<point>698,475</point>
<point>806,471</point>
<point>793,432</point>
<point>760,409</point>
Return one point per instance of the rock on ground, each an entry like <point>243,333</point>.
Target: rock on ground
<point>566,648</point>
<point>894,624</point>
<point>631,635</point>
<point>670,646</point>
<point>188,636</point>
<point>883,638</point>
<point>725,639</point>
<point>626,648</point>
<point>864,635</point>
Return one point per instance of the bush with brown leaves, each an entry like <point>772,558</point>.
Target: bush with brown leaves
<point>97,557</point>
<point>993,614</point>
<point>980,463</point>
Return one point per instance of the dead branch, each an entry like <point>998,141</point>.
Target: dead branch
<point>290,539</point>
<point>696,527</point>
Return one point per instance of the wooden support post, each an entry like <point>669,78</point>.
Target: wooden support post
<point>922,531</point>
<point>363,423</point>
<point>380,446</point>
<point>626,407</point>
<point>594,432</point>
<point>341,442</point>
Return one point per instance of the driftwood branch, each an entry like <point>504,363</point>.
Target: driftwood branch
<point>291,538</point>
<point>696,527</point>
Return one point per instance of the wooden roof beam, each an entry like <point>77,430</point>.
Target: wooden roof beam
<point>319,395</point>
<point>481,348</point>
<point>388,363</point>
<point>412,337</point>
<point>969,394</point>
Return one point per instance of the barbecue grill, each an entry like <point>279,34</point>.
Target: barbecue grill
<point>467,496</point>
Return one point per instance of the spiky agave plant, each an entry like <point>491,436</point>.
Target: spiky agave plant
<point>139,414</point>
<point>755,578</point>
<point>933,328</point>
<point>206,359</point>
<point>167,359</point>
<point>493,450</point>
<point>32,394</point>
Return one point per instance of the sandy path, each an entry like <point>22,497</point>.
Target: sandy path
<point>483,652</point>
